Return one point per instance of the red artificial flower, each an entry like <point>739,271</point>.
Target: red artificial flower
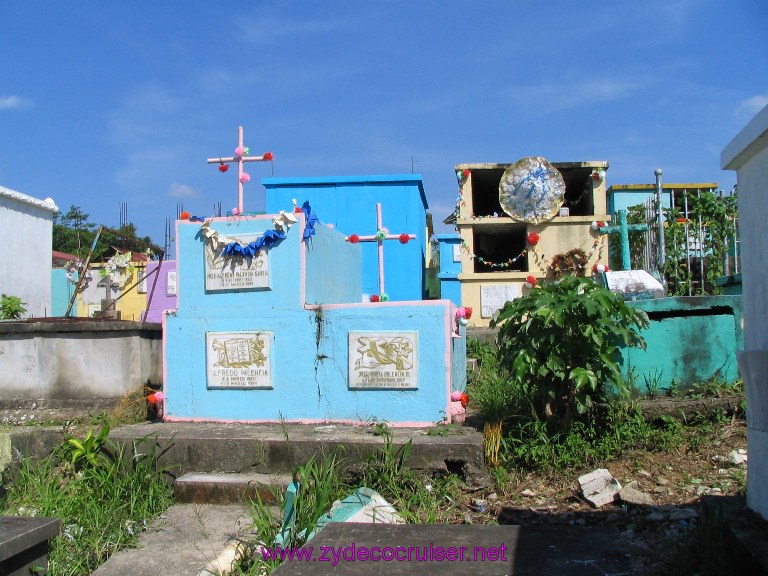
<point>375,298</point>
<point>223,167</point>
<point>464,399</point>
<point>353,239</point>
<point>465,173</point>
<point>467,312</point>
<point>533,238</point>
<point>268,156</point>
<point>531,280</point>
<point>404,238</point>
<point>600,224</point>
<point>184,215</point>
<point>152,399</point>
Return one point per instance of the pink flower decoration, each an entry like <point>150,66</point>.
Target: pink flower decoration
<point>235,211</point>
<point>245,177</point>
<point>239,151</point>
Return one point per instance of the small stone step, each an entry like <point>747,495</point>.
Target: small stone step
<point>228,487</point>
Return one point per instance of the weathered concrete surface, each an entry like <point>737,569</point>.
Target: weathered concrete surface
<point>78,359</point>
<point>279,449</point>
<point>189,539</point>
<point>228,487</point>
<point>501,550</point>
<point>24,543</point>
<point>735,539</point>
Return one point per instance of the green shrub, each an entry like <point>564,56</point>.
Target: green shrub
<point>561,344</point>
<point>11,307</point>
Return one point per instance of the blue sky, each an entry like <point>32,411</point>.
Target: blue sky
<point>108,102</point>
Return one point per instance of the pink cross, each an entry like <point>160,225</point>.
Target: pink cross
<point>381,235</point>
<point>240,156</point>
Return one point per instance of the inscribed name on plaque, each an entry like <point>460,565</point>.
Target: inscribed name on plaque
<point>235,272</point>
<point>383,360</point>
<point>239,359</point>
<point>494,296</point>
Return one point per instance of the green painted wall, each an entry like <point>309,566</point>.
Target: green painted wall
<point>690,339</point>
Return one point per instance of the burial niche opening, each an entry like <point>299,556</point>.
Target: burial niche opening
<point>500,244</point>
<point>578,191</point>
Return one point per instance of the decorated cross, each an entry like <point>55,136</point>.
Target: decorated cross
<point>241,156</point>
<point>623,230</point>
<point>381,235</point>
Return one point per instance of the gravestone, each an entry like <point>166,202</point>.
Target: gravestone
<point>270,327</point>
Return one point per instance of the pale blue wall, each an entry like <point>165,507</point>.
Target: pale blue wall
<point>450,287</point>
<point>61,292</point>
<point>349,204</point>
<point>310,347</point>
<point>623,199</point>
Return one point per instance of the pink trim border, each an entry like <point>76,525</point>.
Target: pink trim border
<point>309,421</point>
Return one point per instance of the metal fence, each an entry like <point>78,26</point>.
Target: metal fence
<point>694,247</point>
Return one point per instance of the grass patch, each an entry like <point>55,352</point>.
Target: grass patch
<point>103,495</point>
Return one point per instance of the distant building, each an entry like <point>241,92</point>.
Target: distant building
<point>26,236</point>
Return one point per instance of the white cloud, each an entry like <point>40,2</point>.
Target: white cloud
<point>554,97</point>
<point>753,105</point>
<point>177,190</point>
<point>10,102</point>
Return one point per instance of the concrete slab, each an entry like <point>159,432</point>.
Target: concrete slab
<point>188,540</point>
<point>24,543</point>
<point>228,487</point>
<point>279,449</point>
<point>735,537</point>
<point>361,549</point>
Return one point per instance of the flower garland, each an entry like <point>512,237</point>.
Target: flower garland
<point>72,269</point>
<point>118,268</point>
<point>281,223</point>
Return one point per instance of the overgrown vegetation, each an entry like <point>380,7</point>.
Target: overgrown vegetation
<point>560,345</point>
<point>104,495</point>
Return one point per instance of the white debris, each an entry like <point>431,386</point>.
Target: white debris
<point>599,487</point>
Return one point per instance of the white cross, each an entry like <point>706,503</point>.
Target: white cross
<point>240,157</point>
<point>380,236</point>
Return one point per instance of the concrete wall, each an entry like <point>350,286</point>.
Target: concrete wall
<point>164,296</point>
<point>690,339</point>
<point>26,236</point>
<point>349,204</point>
<point>747,153</point>
<point>310,345</point>
<point>78,360</point>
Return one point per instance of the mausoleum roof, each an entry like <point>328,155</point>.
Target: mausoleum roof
<point>47,204</point>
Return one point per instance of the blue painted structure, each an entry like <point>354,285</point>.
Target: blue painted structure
<point>61,292</point>
<point>349,204</point>
<point>311,306</point>
<point>621,197</point>
<point>450,287</point>
<point>690,339</point>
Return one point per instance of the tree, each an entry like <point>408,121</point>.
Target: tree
<point>72,233</point>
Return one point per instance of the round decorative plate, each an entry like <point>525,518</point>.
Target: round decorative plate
<point>532,190</point>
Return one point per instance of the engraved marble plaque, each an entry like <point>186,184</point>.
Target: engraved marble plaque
<point>494,296</point>
<point>383,361</point>
<point>236,272</point>
<point>239,359</point>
